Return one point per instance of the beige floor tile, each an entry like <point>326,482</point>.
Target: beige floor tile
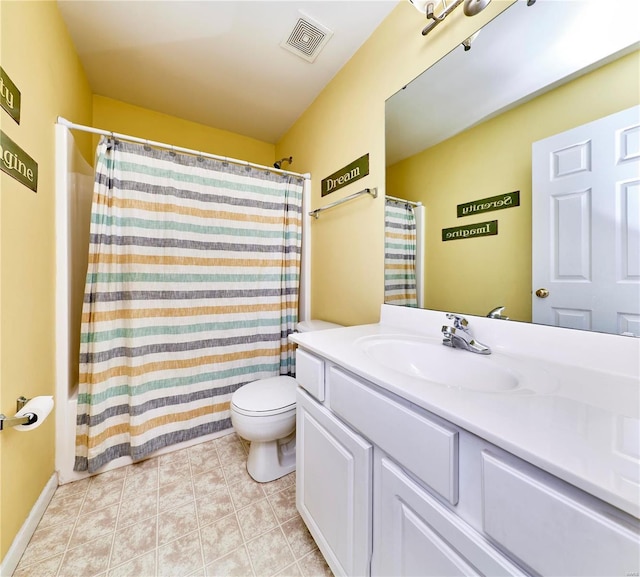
<point>172,515</point>
<point>177,523</point>
<point>314,565</point>
<point>142,466</point>
<point>174,471</point>
<point>46,568</point>
<point>279,484</point>
<point>180,557</point>
<point>136,509</point>
<point>74,488</point>
<point>62,510</point>
<point>175,495</point>
<point>270,553</point>
<point>284,504</point>
<point>102,495</point>
<point>235,471</point>
<point>87,560</point>
<point>290,571</point>
<point>47,542</point>
<point>220,538</point>
<point>298,537</point>
<point>143,482</point>
<point>108,476</point>
<point>204,460</point>
<point>235,564</point>
<point>246,492</point>
<point>143,566</point>
<point>208,482</point>
<point>205,447</point>
<point>232,451</point>
<point>94,524</point>
<point>214,506</point>
<point>256,519</point>
<point>133,541</point>
<point>181,456</point>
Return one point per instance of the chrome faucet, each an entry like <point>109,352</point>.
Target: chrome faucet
<point>497,313</point>
<point>459,336</point>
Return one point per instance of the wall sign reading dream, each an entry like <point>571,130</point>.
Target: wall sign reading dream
<point>499,202</point>
<point>471,230</point>
<point>354,171</point>
<point>17,163</point>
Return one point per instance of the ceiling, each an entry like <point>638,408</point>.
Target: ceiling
<point>214,62</point>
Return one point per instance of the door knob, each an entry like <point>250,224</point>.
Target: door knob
<point>543,293</point>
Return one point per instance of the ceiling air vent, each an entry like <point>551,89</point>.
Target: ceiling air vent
<point>307,38</point>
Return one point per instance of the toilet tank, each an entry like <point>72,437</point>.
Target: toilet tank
<point>315,325</point>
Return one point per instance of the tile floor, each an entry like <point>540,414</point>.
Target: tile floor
<point>194,512</point>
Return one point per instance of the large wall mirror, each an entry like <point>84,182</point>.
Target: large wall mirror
<point>506,146</point>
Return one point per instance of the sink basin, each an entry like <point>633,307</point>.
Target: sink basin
<point>428,359</point>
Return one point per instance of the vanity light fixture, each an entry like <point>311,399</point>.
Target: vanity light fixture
<point>428,8</point>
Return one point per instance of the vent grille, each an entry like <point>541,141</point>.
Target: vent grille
<point>307,38</point>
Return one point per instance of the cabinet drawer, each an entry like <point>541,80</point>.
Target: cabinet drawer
<point>310,373</point>
<point>552,528</point>
<point>417,441</point>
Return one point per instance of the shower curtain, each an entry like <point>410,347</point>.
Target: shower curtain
<point>399,254</point>
<point>191,292</point>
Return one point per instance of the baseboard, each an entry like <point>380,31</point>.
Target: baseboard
<point>10,561</point>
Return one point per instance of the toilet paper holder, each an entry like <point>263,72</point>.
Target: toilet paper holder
<point>14,421</point>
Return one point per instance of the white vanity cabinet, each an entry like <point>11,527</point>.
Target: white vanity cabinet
<point>390,489</point>
<point>333,486</point>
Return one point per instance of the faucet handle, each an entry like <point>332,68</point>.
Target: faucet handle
<point>497,313</point>
<point>458,322</point>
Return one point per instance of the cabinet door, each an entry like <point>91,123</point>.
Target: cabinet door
<point>333,487</point>
<point>415,535</point>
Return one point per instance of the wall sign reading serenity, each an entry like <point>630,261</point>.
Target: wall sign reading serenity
<point>9,96</point>
<point>354,171</point>
<point>499,202</point>
<point>471,230</point>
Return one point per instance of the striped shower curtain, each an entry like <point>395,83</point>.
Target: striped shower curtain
<point>191,292</point>
<point>399,254</point>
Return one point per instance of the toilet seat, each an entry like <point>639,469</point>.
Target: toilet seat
<point>266,397</point>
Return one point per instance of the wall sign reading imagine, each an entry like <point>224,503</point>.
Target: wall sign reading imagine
<point>471,230</point>
<point>17,163</point>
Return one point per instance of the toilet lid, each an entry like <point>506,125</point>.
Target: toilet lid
<point>266,396</point>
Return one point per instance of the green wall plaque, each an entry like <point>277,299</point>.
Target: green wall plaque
<point>354,171</point>
<point>499,202</point>
<point>470,230</point>
<point>17,163</point>
<point>9,96</point>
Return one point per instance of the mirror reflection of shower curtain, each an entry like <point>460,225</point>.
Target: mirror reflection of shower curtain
<point>191,292</point>
<point>399,254</point>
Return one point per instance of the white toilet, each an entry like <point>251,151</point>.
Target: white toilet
<point>264,413</point>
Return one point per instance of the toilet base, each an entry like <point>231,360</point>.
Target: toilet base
<point>268,461</point>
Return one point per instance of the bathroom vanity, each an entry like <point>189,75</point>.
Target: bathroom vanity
<point>418,459</point>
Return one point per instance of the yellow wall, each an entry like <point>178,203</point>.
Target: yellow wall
<point>37,53</point>
<point>483,273</point>
<point>125,118</point>
<point>345,122</point>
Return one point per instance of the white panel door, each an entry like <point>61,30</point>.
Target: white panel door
<point>333,487</point>
<point>586,226</point>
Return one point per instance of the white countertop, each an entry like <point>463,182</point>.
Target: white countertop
<point>584,427</point>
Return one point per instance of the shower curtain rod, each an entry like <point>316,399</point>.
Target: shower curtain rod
<point>411,202</point>
<point>71,126</point>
